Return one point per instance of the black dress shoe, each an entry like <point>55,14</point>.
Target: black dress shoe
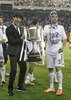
<point>22,89</point>
<point>10,93</point>
<point>3,83</point>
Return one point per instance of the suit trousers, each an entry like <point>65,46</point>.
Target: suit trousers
<point>13,70</point>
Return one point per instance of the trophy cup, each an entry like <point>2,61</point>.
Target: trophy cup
<point>34,55</point>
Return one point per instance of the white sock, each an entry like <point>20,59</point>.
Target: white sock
<point>51,79</point>
<point>59,74</point>
<point>3,73</point>
<point>29,76</point>
<point>43,60</point>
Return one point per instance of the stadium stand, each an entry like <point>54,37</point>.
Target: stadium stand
<point>44,3</point>
<point>42,14</point>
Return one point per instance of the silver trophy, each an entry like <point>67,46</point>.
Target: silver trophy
<point>34,55</point>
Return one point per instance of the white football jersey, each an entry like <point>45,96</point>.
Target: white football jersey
<point>55,34</point>
<point>2,36</point>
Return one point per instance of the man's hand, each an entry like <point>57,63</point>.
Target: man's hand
<point>23,36</point>
<point>60,50</point>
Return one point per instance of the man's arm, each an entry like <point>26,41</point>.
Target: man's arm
<point>11,38</point>
<point>64,43</point>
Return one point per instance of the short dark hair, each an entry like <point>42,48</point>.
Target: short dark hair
<point>18,15</point>
<point>35,21</point>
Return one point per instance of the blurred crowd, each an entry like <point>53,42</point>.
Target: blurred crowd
<point>64,17</point>
<point>43,3</point>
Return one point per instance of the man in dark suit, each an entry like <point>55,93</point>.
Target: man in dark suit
<point>15,40</point>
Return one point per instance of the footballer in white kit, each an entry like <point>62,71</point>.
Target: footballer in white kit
<point>2,69</point>
<point>37,47</point>
<point>55,36</point>
<point>1,49</point>
<point>56,40</point>
<point>3,39</point>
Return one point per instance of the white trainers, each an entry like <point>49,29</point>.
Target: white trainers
<point>28,82</point>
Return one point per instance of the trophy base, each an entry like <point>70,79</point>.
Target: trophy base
<point>34,56</point>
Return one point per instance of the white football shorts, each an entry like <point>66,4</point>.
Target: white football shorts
<point>53,61</point>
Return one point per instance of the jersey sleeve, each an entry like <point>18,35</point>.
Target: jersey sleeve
<point>45,30</point>
<point>2,36</point>
<point>63,34</point>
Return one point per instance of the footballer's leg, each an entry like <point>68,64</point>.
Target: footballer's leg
<point>58,65</point>
<point>50,66</point>
<point>2,69</point>
<point>3,75</point>
<point>29,76</point>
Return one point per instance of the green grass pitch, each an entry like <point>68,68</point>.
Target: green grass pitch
<point>41,83</point>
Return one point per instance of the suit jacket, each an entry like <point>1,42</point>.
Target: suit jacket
<point>14,40</point>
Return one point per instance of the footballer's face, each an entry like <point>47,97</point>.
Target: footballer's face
<point>54,19</point>
<point>1,20</point>
<point>17,21</point>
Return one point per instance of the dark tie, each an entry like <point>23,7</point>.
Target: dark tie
<point>17,28</point>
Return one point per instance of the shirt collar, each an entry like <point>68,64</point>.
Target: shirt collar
<point>53,25</point>
<point>14,25</point>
